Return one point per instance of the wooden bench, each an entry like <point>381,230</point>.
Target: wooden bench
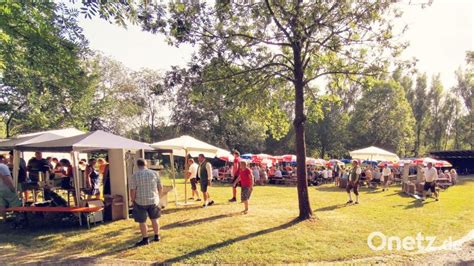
<point>75,210</point>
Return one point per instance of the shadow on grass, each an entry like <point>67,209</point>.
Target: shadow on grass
<point>399,193</point>
<point>330,189</point>
<point>373,191</point>
<point>199,221</point>
<point>213,247</point>
<point>332,207</point>
<point>414,204</point>
<point>183,208</point>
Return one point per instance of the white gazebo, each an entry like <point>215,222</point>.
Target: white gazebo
<point>116,146</point>
<point>187,145</point>
<point>31,138</point>
<point>375,154</point>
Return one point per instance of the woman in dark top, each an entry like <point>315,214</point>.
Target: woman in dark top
<point>92,177</point>
<point>66,171</point>
<point>106,178</point>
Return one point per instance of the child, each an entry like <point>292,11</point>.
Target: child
<point>246,182</point>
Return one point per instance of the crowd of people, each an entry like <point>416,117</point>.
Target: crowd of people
<point>46,174</point>
<point>145,185</point>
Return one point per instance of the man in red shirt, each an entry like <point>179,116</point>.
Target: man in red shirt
<point>246,183</point>
<point>235,173</point>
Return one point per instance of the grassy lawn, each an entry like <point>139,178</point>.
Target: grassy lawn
<point>268,234</point>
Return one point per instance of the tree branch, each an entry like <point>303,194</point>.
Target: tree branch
<point>277,22</point>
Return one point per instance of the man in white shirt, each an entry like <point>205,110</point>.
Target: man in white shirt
<point>145,189</point>
<point>325,173</point>
<point>430,176</point>
<point>329,173</point>
<point>278,173</point>
<point>386,176</point>
<point>192,177</point>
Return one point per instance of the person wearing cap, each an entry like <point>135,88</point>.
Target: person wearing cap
<point>353,182</point>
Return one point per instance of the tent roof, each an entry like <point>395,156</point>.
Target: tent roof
<point>64,132</point>
<point>373,153</point>
<point>96,140</point>
<point>186,143</point>
<point>31,138</point>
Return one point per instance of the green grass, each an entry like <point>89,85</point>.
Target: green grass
<point>268,234</point>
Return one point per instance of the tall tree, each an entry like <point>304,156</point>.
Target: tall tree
<point>327,127</point>
<point>465,90</point>
<point>436,128</point>
<point>383,117</point>
<point>297,41</point>
<point>216,112</point>
<point>42,80</point>
<point>116,98</point>
<point>152,98</point>
<point>420,105</point>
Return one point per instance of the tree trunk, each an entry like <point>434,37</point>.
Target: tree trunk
<point>299,123</point>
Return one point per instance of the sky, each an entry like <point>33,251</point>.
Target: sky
<point>439,37</point>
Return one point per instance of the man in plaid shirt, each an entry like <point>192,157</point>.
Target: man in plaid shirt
<point>145,189</point>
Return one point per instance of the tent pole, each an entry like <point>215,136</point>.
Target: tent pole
<point>16,168</point>
<point>173,173</point>
<point>77,189</point>
<point>185,178</point>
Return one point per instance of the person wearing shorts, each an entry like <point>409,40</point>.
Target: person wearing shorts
<point>386,176</point>
<point>192,176</point>
<point>430,176</point>
<point>353,182</point>
<point>246,183</point>
<point>235,173</point>
<point>8,196</point>
<point>205,178</point>
<point>145,189</point>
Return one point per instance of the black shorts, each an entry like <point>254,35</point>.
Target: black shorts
<point>193,183</point>
<point>354,186</point>
<point>204,185</point>
<point>233,181</point>
<point>140,213</point>
<point>430,186</point>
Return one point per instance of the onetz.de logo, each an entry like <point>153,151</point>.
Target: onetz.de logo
<point>378,241</point>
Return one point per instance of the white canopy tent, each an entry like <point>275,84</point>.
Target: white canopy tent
<point>93,141</point>
<point>64,132</point>
<point>31,138</point>
<point>187,145</point>
<point>374,153</point>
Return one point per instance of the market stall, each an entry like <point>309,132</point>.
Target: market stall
<point>186,145</point>
<point>116,146</point>
<point>32,138</point>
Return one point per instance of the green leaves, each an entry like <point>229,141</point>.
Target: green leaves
<point>383,118</point>
<point>40,64</point>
